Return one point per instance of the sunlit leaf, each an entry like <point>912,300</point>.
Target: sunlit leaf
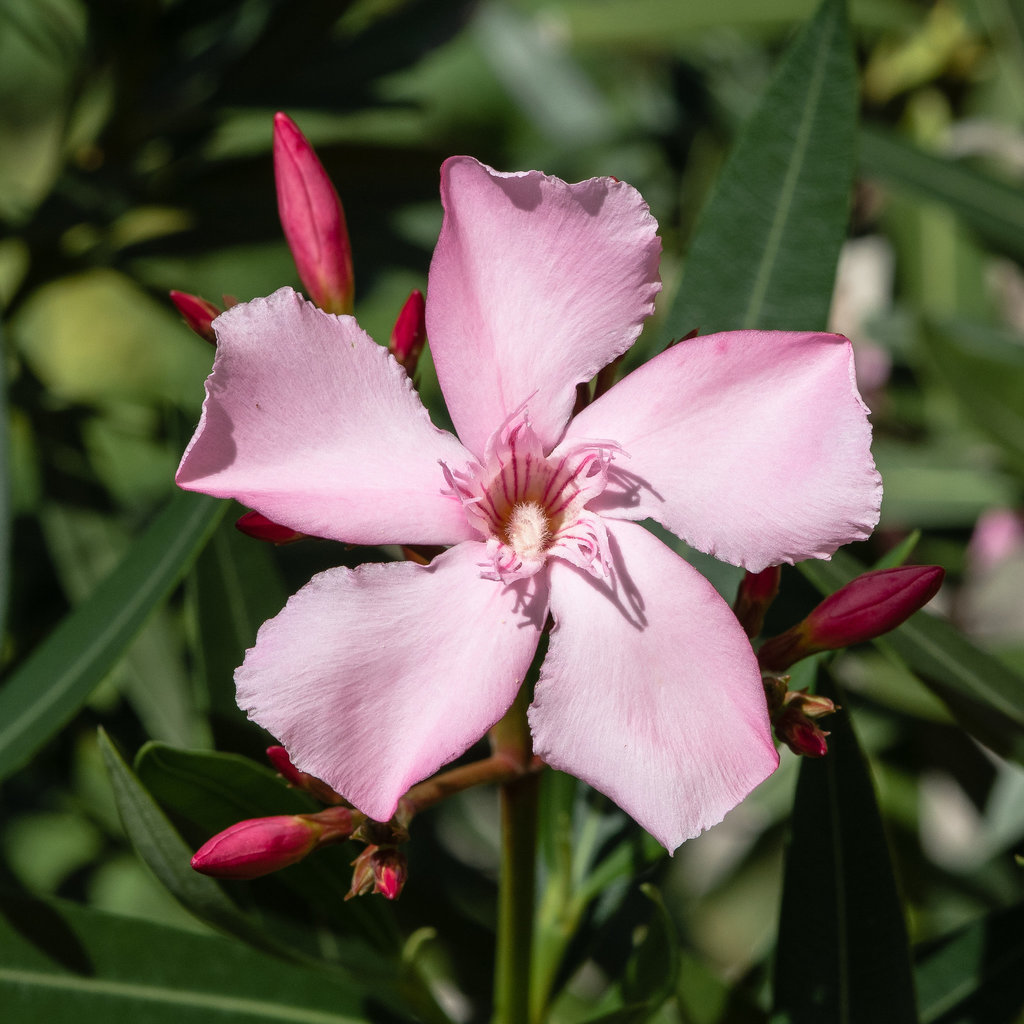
<point>765,249</point>
<point>55,680</point>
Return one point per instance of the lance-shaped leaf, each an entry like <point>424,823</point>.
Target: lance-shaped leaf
<point>765,250</point>
<point>53,683</point>
<point>993,208</point>
<point>983,368</point>
<point>66,964</point>
<point>5,495</point>
<point>842,949</point>
<point>975,973</point>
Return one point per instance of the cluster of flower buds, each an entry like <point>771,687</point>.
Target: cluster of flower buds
<point>314,225</point>
<point>260,846</point>
<point>867,607</point>
<point>379,869</point>
<point>794,713</point>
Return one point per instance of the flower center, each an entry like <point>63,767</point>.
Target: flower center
<point>528,529</point>
<point>529,507</point>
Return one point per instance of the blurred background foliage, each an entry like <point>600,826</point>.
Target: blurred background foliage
<point>134,158</point>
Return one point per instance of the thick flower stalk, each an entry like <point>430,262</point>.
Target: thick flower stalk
<point>750,445</point>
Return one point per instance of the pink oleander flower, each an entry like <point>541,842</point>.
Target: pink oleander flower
<point>750,445</point>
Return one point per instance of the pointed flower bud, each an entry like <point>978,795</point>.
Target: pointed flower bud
<point>198,313</point>
<point>865,608</point>
<point>313,219</point>
<point>755,595</point>
<point>258,526</point>
<point>259,846</point>
<point>410,332</point>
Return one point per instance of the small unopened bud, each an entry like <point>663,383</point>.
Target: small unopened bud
<point>801,734</point>
<point>410,332</point>
<point>378,869</point>
<point>390,871</point>
<point>258,846</point>
<point>279,758</point>
<point>754,597</point>
<point>258,526</point>
<point>865,608</point>
<point>313,219</point>
<point>198,313</point>
<point>793,719</point>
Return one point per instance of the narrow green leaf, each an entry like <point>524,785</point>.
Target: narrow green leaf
<point>168,856</point>
<point>52,684</point>
<point>983,367</point>
<point>66,964</point>
<point>765,250</point>
<point>986,696</point>
<point>994,209</point>
<point>976,973</point>
<point>235,587</point>
<point>653,969</point>
<point>5,493</point>
<point>842,948</point>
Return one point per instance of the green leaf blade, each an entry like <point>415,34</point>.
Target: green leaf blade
<point>765,250</point>
<point>842,949</point>
<point>66,964</point>
<point>47,690</point>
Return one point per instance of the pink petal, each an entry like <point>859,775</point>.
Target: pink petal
<point>650,691</point>
<point>534,286</point>
<point>309,422</point>
<point>752,446</point>
<point>375,677</point>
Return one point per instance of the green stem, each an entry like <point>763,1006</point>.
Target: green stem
<point>519,800</point>
<point>510,741</point>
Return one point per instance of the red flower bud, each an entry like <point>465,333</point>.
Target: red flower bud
<point>313,219</point>
<point>198,313</point>
<point>279,758</point>
<point>800,733</point>
<point>755,595</point>
<point>259,846</point>
<point>865,608</point>
<point>390,871</point>
<point>258,526</point>
<point>410,332</point>
<point>378,869</point>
